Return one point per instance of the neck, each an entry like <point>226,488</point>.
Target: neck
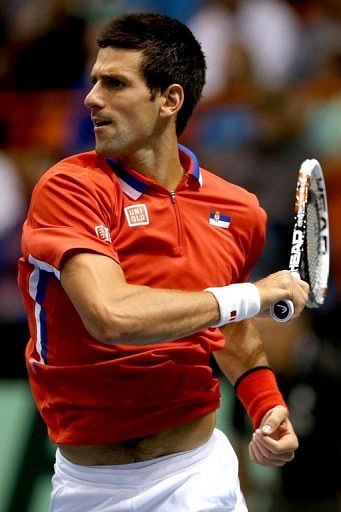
<point>161,163</point>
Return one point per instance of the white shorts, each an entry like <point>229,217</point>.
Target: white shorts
<point>200,480</point>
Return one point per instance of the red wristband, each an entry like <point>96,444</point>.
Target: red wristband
<point>258,392</point>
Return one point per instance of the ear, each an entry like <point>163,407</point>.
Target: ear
<point>171,100</point>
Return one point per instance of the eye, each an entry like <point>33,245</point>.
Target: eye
<point>108,81</point>
<point>114,83</point>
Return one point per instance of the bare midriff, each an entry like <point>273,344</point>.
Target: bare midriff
<point>187,436</point>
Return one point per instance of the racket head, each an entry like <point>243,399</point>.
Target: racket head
<point>310,243</point>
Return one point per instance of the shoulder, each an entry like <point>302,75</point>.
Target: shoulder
<point>87,167</point>
<point>235,195</point>
<point>87,172</point>
<point>85,178</point>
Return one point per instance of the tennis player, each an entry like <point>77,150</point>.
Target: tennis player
<point>134,271</point>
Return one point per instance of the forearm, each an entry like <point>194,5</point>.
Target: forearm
<point>145,315</point>
<point>158,314</point>
<point>243,349</point>
<point>244,362</point>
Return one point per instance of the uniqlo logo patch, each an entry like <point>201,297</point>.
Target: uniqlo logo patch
<point>137,215</point>
<point>103,233</point>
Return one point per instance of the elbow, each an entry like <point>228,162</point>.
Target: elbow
<point>111,328</point>
<point>103,334</point>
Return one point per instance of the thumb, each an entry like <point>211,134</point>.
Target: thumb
<point>273,419</point>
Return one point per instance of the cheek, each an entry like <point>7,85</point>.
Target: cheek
<point>143,120</point>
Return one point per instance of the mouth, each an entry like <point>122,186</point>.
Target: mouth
<point>100,123</point>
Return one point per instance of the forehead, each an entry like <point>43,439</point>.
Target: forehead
<point>118,61</point>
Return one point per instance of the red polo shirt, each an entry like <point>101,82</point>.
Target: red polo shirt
<point>207,233</point>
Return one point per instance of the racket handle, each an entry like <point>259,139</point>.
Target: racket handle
<point>282,311</point>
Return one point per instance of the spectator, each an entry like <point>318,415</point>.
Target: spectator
<point>49,54</point>
<point>267,29</point>
<point>12,210</point>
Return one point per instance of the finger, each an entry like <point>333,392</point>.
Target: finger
<point>262,449</point>
<point>287,443</point>
<point>274,453</point>
<point>271,453</point>
<point>265,458</point>
<point>254,453</point>
<point>251,452</point>
<point>300,293</point>
<point>257,456</point>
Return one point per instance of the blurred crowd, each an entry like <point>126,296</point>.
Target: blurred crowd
<point>272,99</point>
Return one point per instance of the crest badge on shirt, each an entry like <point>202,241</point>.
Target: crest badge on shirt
<point>103,233</point>
<point>136,215</point>
<point>219,220</point>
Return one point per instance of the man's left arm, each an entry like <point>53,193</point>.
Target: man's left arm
<point>243,361</point>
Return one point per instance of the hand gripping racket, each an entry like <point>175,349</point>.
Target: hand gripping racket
<point>309,256</point>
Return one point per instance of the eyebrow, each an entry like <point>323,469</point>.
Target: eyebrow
<point>107,74</point>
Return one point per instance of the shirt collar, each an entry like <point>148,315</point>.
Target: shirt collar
<point>190,162</point>
<point>134,184</point>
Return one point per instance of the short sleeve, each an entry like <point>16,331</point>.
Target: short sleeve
<point>69,212</point>
<point>256,238</point>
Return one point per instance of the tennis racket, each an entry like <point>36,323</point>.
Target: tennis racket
<point>309,256</point>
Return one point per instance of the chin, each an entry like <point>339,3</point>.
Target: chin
<point>103,150</point>
<point>108,149</point>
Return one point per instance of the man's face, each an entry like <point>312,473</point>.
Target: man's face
<point>125,116</point>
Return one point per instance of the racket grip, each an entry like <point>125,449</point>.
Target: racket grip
<point>282,311</point>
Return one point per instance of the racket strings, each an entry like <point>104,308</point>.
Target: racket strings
<point>313,243</point>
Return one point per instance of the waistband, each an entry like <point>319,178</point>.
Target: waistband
<point>138,472</point>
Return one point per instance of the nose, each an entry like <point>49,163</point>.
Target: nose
<point>94,98</point>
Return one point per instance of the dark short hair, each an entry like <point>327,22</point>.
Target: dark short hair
<point>171,54</point>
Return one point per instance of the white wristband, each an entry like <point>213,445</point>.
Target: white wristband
<point>236,302</point>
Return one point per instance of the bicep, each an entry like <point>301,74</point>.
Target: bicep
<point>92,281</point>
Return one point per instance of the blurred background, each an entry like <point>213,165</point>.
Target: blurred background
<point>272,99</point>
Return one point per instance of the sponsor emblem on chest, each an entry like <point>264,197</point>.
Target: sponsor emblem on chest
<point>136,215</point>
<point>103,233</point>
<point>219,220</point>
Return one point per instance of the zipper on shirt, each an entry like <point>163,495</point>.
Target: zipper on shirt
<point>178,218</point>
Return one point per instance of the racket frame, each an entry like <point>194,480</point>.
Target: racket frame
<point>310,177</point>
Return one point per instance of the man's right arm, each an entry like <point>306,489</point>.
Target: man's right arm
<point>115,312</point>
